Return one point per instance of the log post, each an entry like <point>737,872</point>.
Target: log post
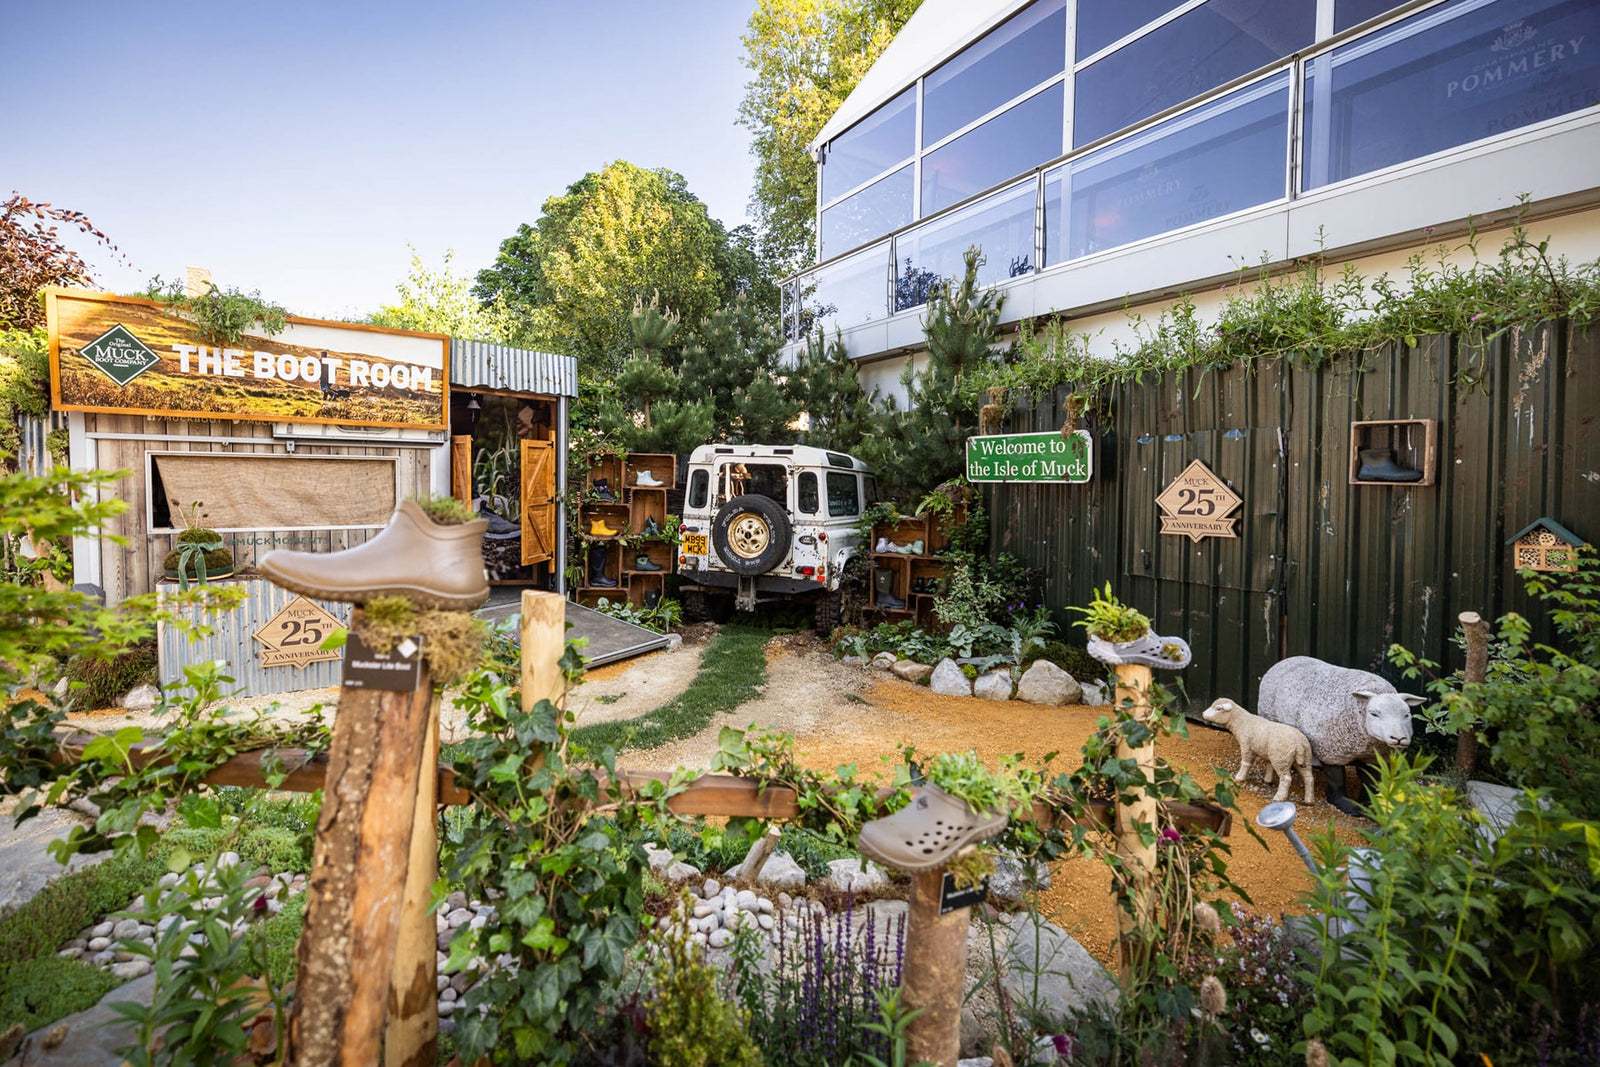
<point>1133,685</point>
<point>934,973</point>
<point>354,894</point>
<point>411,1037</point>
<point>756,858</point>
<point>1476,632</point>
<point>544,639</point>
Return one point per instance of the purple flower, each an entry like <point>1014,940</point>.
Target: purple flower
<point>1169,834</point>
<point>1063,1044</point>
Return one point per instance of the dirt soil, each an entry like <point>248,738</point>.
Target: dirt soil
<point>842,714</point>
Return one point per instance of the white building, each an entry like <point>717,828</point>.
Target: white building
<point>1113,155</point>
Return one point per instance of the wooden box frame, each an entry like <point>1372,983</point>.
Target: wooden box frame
<point>663,466</point>
<point>1423,455</point>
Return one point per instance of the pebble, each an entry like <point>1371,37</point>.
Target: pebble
<point>702,910</point>
<point>447,1025</point>
<point>700,939</point>
<point>460,981</point>
<point>103,930</point>
<point>766,921</point>
<point>458,917</point>
<point>124,957</point>
<point>260,881</point>
<point>455,900</point>
<point>103,957</point>
<point>784,900</point>
<point>99,944</point>
<point>448,995</point>
<point>228,859</point>
<point>444,983</point>
<point>131,969</point>
<point>746,899</point>
<point>126,928</point>
<point>764,906</point>
<point>711,888</point>
<point>719,938</point>
<point>446,1007</point>
<point>444,939</point>
<point>70,953</point>
<point>168,881</point>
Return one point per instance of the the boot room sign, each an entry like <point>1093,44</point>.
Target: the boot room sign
<point>1198,504</point>
<point>132,356</point>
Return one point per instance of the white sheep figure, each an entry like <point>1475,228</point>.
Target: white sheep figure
<point>1283,747</point>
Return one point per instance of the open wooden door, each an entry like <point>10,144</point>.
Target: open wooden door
<point>461,468</point>
<point>538,501</point>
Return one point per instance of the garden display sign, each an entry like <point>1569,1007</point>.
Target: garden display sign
<point>1198,504</point>
<point>126,355</point>
<point>1030,457</point>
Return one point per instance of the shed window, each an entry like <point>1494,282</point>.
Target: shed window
<point>259,492</point>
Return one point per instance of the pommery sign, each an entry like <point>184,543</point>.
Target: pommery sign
<point>127,355</point>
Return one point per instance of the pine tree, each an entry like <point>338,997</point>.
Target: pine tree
<point>931,435</point>
<point>645,414</point>
<point>736,347</point>
<point>763,412</point>
<point>826,383</point>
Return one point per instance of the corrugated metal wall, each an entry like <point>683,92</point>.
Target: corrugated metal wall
<point>33,453</point>
<point>514,370</point>
<point>233,642</point>
<point>1321,567</point>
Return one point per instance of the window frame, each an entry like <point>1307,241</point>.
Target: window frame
<point>855,480</point>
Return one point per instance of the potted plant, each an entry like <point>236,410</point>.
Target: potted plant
<point>200,553</point>
<point>1119,633</point>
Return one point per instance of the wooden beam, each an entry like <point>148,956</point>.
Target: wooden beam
<point>354,894</point>
<point>411,1035</point>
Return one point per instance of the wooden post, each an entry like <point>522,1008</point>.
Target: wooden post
<point>934,973</point>
<point>544,639</point>
<point>756,858</point>
<point>1133,684</point>
<point>411,1037</point>
<point>1477,635</point>
<point>353,897</point>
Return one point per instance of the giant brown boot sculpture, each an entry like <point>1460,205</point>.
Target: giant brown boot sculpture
<point>430,564</point>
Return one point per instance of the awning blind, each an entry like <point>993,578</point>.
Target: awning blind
<point>256,492</point>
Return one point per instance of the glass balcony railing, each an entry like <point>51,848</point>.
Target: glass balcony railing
<point>1445,76</point>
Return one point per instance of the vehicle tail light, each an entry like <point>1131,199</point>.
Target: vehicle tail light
<point>823,536</point>
<point>806,570</point>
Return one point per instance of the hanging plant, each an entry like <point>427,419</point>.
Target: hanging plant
<point>221,315</point>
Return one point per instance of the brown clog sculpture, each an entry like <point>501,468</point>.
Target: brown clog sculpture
<point>928,832</point>
<point>428,563</point>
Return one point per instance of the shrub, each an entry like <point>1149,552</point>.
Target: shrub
<point>104,682</point>
<point>39,991</point>
<point>280,849</point>
<point>691,1024</point>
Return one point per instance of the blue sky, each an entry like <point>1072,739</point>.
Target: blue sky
<point>299,147</point>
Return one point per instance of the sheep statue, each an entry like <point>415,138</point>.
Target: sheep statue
<point>1345,714</point>
<point>1284,748</point>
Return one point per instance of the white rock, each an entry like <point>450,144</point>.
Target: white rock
<point>443,981</point>
<point>167,880</point>
<point>700,939</point>
<point>996,685</point>
<point>856,876</point>
<point>719,938</point>
<point>137,968</point>
<point>140,698</point>
<point>1094,694</point>
<point>70,953</point>
<point>1045,683</point>
<point>103,929</point>
<point>854,661</point>
<point>779,872</point>
<point>702,910</point>
<point>680,871</point>
<point>746,899</point>
<point>674,642</point>
<point>458,917</point>
<point>784,900</point>
<point>883,661</point>
<point>446,994</point>
<point>126,928</point>
<point>766,922</point>
<point>764,906</point>
<point>446,1008</point>
<point>948,681</point>
<point>99,944</point>
<point>711,888</point>
<point>911,670</point>
<point>660,858</point>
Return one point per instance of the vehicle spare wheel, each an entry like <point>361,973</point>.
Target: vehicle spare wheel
<point>751,534</point>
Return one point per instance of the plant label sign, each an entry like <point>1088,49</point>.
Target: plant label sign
<point>126,355</point>
<point>1198,504</point>
<point>397,670</point>
<point>952,897</point>
<point>293,637</point>
<point>1045,457</point>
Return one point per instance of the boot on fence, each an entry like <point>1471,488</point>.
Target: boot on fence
<point>597,568</point>
<point>884,587</point>
<point>428,563</point>
<point>1378,465</point>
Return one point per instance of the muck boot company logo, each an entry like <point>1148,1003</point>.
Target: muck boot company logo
<point>120,355</point>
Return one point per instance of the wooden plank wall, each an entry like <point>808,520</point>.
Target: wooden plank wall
<point>134,567</point>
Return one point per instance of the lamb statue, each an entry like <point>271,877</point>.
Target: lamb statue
<point>1283,747</point>
<point>1345,714</point>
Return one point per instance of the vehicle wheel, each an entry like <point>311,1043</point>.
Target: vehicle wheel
<point>751,534</point>
<point>827,617</point>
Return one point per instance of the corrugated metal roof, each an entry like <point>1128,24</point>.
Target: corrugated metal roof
<point>475,364</point>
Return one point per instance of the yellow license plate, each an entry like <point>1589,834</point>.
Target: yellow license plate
<point>694,544</point>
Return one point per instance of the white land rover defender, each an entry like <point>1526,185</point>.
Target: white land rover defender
<point>767,522</point>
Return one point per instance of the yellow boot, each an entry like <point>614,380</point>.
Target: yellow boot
<point>598,528</point>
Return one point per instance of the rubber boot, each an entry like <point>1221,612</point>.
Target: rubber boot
<point>597,569</point>
<point>1378,465</point>
<point>430,564</point>
<point>885,591</point>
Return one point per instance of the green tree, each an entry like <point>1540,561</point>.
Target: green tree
<point>442,302</point>
<point>618,236</point>
<point>643,412</point>
<point>930,439</point>
<point>732,364</point>
<point>826,383</point>
<point>805,56</point>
